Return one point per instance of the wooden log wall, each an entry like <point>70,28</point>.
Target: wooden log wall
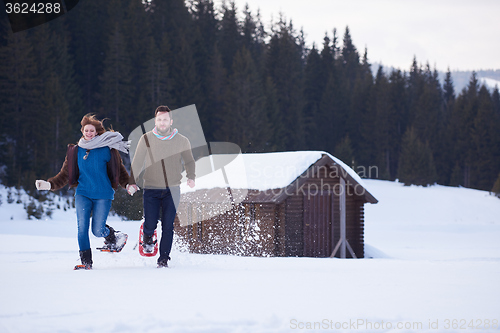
<point>269,229</point>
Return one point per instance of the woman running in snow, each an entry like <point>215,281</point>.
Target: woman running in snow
<point>95,168</point>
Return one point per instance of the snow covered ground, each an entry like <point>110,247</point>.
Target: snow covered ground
<point>435,267</point>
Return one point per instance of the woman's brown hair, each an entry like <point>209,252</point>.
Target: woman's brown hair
<point>90,119</point>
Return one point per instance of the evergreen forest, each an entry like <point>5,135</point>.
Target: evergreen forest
<point>254,83</point>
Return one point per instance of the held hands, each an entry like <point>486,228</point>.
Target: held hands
<point>190,183</point>
<point>131,189</point>
<point>42,185</point>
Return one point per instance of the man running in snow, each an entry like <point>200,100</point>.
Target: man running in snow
<point>157,164</point>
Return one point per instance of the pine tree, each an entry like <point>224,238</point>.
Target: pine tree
<point>204,54</point>
<point>351,71</point>
<point>89,28</point>
<point>429,119</point>
<point>456,177</point>
<point>60,96</point>
<point>350,60</point>
<point>416,164</point>
<point>445,170</point>
<point>448,91</point>
<point>285,69</point>
<point>143,53</point>
<point>313,93</point>
<point>20,90</point>
<point>249,31</point>
<point>495,96</point>
<point>217,85</point>
<point>486,143</point>
<point>360,108</point>
<point>161,77</point>
<point>398,96</point>
<point>345,153</point>
<point>271,106</point>
<point>185,88</point>
<point>332,117</point>
<point>461,124</point>
<point>382,123</point>
<point>245,121</point>
<point>116,86</point>
<point>496,187</point>
<point>230,39</point>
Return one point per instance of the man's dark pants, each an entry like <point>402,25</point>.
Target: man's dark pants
<point>166,200</point>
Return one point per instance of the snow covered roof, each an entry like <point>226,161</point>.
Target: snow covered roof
<point>262,171</point>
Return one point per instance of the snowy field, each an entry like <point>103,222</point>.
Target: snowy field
<point>435,267</point>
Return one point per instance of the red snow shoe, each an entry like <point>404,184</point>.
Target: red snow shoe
<point>148,245</point>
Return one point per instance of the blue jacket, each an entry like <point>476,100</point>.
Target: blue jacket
<point>69,173</point>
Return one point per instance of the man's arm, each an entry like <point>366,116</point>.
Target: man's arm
<point>189,164</point>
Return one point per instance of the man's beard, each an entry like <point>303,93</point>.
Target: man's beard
<point>166,131</point>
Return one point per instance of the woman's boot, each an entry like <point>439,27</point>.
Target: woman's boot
<point>86,258</point>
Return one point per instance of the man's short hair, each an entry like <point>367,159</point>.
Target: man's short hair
<point>163,108</point>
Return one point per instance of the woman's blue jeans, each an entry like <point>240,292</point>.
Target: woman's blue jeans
<point>168,200</point>
<point>99,208</point>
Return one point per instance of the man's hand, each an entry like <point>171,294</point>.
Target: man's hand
<point>131,189</point>
<point>190,183</point>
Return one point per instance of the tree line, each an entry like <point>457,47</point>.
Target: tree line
<point>253,84</point>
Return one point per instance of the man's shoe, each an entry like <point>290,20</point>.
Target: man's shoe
<point>163,262</point>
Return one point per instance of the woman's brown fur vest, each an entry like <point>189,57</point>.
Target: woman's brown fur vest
<point>69,173</point>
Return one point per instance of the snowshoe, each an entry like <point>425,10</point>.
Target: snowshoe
<point>148,245</point>
<point>78,267</point>
<point>114,242</point>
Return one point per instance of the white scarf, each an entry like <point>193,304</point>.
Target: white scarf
<point>106,139</point>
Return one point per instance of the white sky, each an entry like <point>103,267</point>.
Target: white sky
<point>459,34</point>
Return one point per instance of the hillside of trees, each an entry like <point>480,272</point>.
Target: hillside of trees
<point>254,83</point>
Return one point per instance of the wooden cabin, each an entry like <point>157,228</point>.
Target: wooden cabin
<point>305,204</point>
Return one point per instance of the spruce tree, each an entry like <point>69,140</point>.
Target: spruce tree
<point>345,153</point>
<point>143,53</point>
<point>445,170</point>
<point>116,86</point>
<point>382,124</point>
<point>351,70</point>
<point>217,85</point>
<point>20,89</point>
<point>360,108</point>
<point>448,91</point>
<point>496,187</point>
<point>350,60</point>
<point>313,92</point>
<point>398,96</point>
<point>285,69</point>
<point>61,104</point>
<point>461,125</point>
<point>416,164</point>
<point>230,39</point>
<point>245,121</point>
<point>271,106</point>
<point>486,143</point>
<point>204,44</point>
<point>89,30</point>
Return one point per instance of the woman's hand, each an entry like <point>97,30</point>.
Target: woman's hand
<point>42,185</point>
<point>131,189</point>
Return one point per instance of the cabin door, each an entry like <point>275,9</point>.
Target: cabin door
<point>318,224</point>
